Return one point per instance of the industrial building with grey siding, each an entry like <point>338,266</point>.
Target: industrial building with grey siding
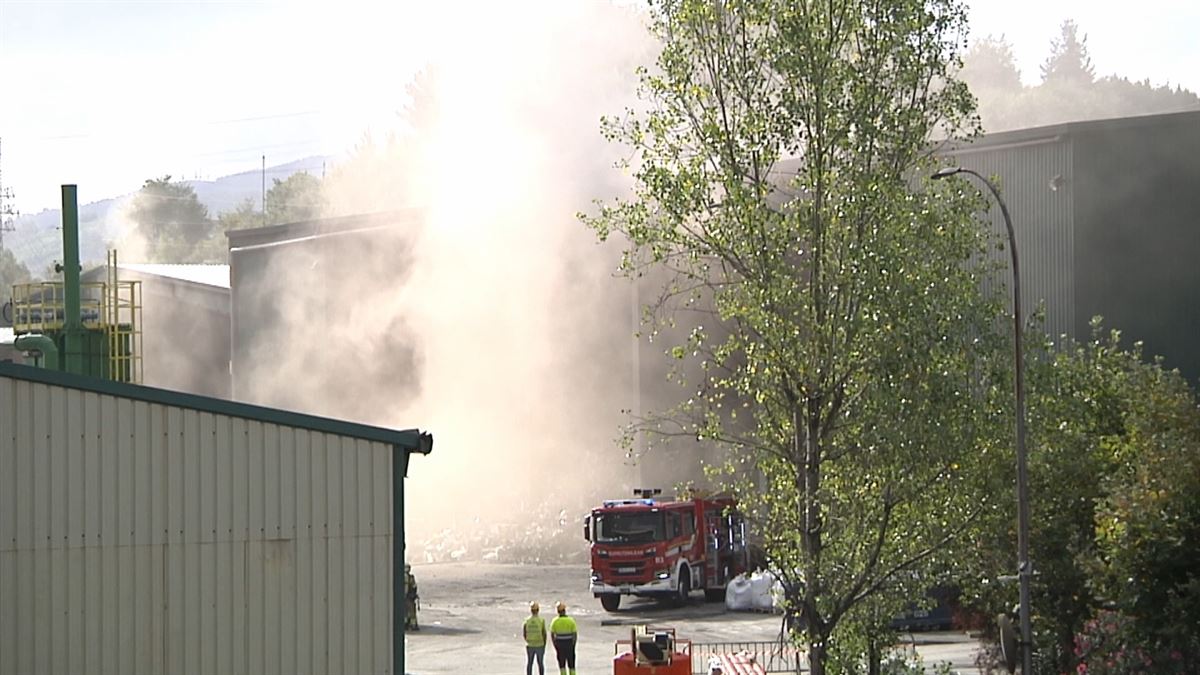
<point>285,283</point>
<point>185,325</point>
<point>1107,220</point>
<point>147,531</point>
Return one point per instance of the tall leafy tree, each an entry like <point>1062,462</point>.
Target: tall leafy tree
<point>170,220</point>
<point>243,216</point>
<point>12,271</point>
<point>990,70</point>
<point>990,63</point>
<point>1070,89</point>
<point>297,198</point>
<point>1069,61</point>
<point>846,351</point>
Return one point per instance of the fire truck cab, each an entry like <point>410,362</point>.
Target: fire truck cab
<point>665,549</point>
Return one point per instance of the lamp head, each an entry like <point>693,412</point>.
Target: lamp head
<point>946,171</point>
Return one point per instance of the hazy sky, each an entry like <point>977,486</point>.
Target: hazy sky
<point>1153,39</point>
<point>106,94</point>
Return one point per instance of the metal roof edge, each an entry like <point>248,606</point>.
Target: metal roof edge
<point>251,236</point>
<point>412,440</point>
<point>95,274</point>
<point>1049,132</point>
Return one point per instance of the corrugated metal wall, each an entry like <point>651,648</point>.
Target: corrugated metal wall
<point>1035,181</point>
<point>137,537</point>
<point>1137,226</point>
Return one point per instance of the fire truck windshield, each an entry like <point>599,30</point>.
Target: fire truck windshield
<point>629,528</point>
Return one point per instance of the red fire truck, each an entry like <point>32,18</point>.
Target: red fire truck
<point>665,549</point>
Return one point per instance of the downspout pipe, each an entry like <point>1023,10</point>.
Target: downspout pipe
<point>400,456</point>
<point>39,343</point>
<point>72,324</point>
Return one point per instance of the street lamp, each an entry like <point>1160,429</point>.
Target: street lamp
<point>1024,569</point>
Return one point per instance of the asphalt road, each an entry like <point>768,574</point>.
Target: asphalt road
<point>471,616</point>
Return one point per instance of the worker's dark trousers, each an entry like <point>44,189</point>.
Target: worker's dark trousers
<point>532,653</point>
<point>565,650</point>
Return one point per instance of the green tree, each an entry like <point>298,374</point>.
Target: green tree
<point>12,271</point>
<point>297,198</point>
<point>848,360</point>
<point>1123,97</point>
<point>1069,90</point>
<point>990,70</point>
<point>170,220</point>
<point>1069,61</point>
<point>990,63</point>
<point>243,216</point>
<point>1147,526</point>
<point>1114,500</point>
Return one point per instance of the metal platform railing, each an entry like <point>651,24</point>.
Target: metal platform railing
<point>112,307</point>
<point>773,656</point>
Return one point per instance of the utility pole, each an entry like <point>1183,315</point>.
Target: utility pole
<point>7,212</point>
<point>264,190</point>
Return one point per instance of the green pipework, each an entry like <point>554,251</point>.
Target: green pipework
<point>39,343</point>
<point>72,325</point>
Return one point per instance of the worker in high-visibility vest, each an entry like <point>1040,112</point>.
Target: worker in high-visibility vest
<point>535,640</point>
<point>565,633</point>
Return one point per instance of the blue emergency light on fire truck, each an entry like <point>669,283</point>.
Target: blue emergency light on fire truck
<point>665,549</point>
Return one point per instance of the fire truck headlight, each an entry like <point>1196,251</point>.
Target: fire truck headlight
<point>595,576</point>
<point>663,575</point>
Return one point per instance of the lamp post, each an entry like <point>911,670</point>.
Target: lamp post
<point>1024,569</point>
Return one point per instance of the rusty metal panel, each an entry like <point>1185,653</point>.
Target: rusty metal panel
<point>138,536</point>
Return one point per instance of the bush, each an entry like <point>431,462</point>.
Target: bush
<point>1112,643</point>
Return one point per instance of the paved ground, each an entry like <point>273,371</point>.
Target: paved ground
<point>471,616</point>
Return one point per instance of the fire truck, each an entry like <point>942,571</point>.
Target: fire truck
<point>665,549</point>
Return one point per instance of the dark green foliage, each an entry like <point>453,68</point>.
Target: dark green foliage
<point>1115,500</point>
<point>295,199</point>
<point>245,215</point>
<point>171,221</point>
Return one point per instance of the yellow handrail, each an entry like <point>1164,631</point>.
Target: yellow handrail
<point>112,306</point>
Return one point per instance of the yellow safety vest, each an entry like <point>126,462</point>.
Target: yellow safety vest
<point>564,628</point>
<point>535,631</point>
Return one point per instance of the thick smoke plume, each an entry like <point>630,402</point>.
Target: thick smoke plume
<point>507,312</point>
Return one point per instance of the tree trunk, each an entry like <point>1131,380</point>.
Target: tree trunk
<point>873,656</point>
<point>808,446</point>
<point>817,654</point>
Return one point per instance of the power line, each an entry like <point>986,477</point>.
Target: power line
<point>7,212</point>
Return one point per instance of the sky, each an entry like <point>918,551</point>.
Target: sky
<point>106,94</point>
<point>1157,41</point>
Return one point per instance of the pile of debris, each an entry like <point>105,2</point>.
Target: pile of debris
<point>546,537</point>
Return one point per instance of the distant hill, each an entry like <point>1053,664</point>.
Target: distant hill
<point>36,240</point>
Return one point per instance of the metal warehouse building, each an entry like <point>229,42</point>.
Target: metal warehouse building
<point>147,531</point>
<point>288,288</point>
<point>181,303</point>
<point>1107,218</point>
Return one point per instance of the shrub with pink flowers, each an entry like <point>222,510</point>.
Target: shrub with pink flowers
<point>1110,644</point>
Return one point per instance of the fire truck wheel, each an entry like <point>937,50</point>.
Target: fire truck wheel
<point>685,586</point>
<point>611,602</point>
<point>714,594</point>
